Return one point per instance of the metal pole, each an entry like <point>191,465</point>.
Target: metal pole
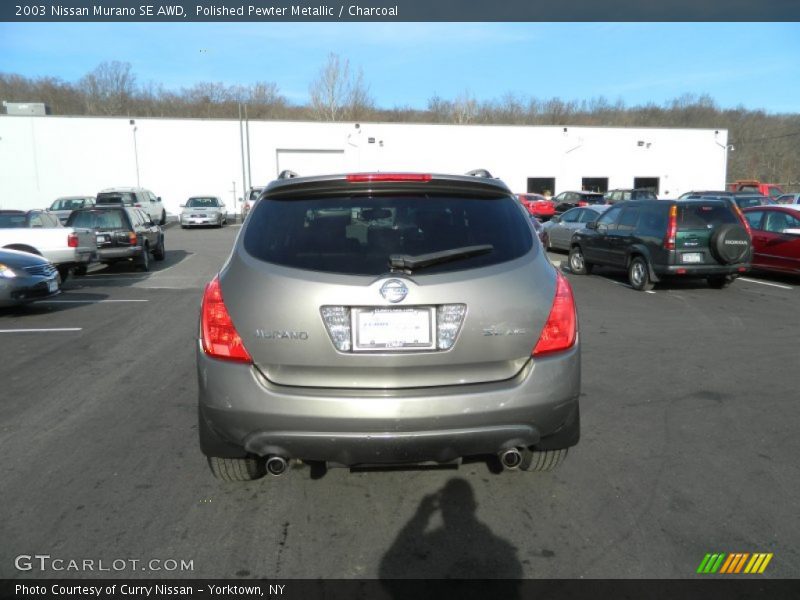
<point>241,143</point>
<point>136,154</point>
<point>247,130</point>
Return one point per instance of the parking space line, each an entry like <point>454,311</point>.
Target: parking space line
<point>777,285</point>
<point>118,274</point>
<point>85,301</point>
<point>41,330</point>
<point>627,285</point>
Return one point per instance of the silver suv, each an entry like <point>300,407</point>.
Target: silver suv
<point>385,319</point>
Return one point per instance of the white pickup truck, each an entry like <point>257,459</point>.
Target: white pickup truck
<point>40,232</point>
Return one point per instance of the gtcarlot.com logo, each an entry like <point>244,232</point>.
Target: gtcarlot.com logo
<point>45,562</point>
<point>736,563</point>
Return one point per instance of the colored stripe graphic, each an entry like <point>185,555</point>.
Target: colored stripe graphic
<point>741,562</point>
<point>734,563</point>
<point>727,565</point>
<point>703,563</point>
<point>765,563</point>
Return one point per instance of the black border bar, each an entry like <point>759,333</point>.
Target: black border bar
<point>707,588</point>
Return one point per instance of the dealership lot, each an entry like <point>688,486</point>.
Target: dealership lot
<point>689,446</point>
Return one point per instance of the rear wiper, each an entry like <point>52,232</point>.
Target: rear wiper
<point>408,263</point>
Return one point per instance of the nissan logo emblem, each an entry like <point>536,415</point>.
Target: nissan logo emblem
<point>394,290</point>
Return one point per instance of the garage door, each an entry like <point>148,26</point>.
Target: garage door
<point>310,162</point>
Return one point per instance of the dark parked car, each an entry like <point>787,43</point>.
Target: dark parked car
<point>26,277</point>
<point>614,196</point>
<point>656,239</point>
<point>557,234</point>
<point>123,234</point>
<point>776,237</point>
<point>741,199</point>
<point>566,200</point>
<point>386,318</point>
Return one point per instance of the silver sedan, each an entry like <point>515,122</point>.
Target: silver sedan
<point>558,230</point>
<point>203,210</point>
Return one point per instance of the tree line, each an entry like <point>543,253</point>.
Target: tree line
<point>764,146</point>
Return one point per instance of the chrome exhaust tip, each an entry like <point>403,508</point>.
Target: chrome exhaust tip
<point>277,465</point>
<point>511,458</point>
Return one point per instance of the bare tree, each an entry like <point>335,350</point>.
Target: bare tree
<point>336,94</point>
<point>109,88</point>
<point>465,108</point>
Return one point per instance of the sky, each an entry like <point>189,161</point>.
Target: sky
<point>754,65</point>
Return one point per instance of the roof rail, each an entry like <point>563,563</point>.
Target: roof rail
<point>287,174</point>
<point>480,173</point>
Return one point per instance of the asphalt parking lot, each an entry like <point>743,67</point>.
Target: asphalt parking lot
<point>689,420</point>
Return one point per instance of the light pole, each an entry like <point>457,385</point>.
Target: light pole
<point>135,151</point>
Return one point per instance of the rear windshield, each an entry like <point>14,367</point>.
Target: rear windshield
<point>593,198</point>
<point>12,220</point>
<point>748,201</point>
<point>98,219</point>
<point>202,203</point>
<point>704,215</point>
<point>67,204</point>
<point>124,198</point>
<point>356,235</point>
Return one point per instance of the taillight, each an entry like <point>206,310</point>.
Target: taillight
<point>219,336</point>
<point>131,238</point>
<point>72,240</point>
<point>561,329</point>
<point>582,203</point>
<point>672,228</point>
<point>368,177</point>
<point>745,222</point>
<point>138,205</point>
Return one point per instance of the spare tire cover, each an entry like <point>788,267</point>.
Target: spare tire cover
<point>730,243</point>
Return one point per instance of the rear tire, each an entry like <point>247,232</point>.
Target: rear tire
<point>577,263</point>
<point>163,217</point>
<point>64,272</point>
<point>639,275</point>
<point>542,460</point>
<point>79,271</point>
<point>719,282</point>
<point>160,252</point>
<point>144,260</point>
<point>237,469</point>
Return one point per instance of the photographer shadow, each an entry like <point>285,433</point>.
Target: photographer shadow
<point>461,548</point>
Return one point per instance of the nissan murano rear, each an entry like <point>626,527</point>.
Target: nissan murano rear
<point>387,319</point>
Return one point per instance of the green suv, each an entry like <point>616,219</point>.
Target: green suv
<point>657,239</point>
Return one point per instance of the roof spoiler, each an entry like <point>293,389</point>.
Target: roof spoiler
<point>480,173</point>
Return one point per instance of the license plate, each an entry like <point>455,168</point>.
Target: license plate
<point>692,257</point>
<point>102,239</point>
<point>393,328</point>
<point>52,285</point>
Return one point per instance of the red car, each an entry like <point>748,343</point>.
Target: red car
<point>776,237</point>
<point>539,206</point>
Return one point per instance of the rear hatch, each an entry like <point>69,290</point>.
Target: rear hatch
<point>710,233</point>
<point>111,226</point>
<point>117,199</point>
<point>312,293</point>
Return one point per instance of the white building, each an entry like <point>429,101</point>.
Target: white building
<point>43,157</point>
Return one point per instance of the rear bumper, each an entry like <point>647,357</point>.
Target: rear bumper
<point>106,254</point>
<point>241,409</point>
<point>701,270</point>
<point>209,220</point>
